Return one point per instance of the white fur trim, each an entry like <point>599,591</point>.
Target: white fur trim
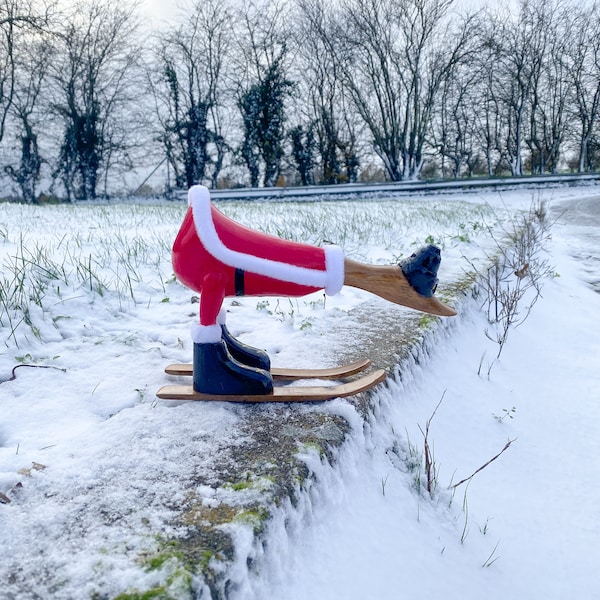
<point>334,263</point>
<point>331,280</point>
<point>206,334</point>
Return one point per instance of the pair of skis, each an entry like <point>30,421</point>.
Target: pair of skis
<point>286,392</point>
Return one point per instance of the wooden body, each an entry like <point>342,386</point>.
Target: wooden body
<point>389,282</point>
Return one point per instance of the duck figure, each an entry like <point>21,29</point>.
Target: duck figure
<point>218,258</point>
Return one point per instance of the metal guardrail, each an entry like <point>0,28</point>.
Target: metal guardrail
<point>401,188</point>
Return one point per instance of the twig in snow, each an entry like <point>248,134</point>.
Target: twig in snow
<point>506,447</point>
<point>430,469</point>
<point>14,374</point>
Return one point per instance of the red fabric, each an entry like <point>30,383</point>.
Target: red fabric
<point>197,269</point>
<point>249,241</point>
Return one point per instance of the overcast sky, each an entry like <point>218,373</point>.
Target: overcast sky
<point>159,10</point>
<point>166,10</point>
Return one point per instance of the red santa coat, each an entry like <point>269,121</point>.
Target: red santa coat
<point>218,258</point>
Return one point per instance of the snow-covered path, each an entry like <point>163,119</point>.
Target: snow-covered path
<point>528,525</point>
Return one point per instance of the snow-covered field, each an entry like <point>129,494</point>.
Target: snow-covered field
<point>94,467</point>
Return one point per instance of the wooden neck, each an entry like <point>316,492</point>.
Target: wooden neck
<point>389,283</point>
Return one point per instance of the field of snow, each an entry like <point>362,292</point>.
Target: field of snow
<point>93,467</point>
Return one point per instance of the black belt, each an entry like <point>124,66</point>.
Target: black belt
<point>239,282</point>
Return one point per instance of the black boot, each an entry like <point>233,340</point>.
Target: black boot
<point>421,270</point>
<point>217,372</point>
<point>247,355</point>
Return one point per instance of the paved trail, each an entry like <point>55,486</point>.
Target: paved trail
<point>582,220</point>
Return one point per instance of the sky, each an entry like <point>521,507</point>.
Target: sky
<point>159,10</point>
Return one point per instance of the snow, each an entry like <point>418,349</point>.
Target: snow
<point>103,465</point>
<point>534,509</point>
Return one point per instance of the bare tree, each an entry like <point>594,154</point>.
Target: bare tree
<point>396,55</point>
<point>549,87</point>
<point>17,17</point>
<point>263,87</point>
<point>518,43</point>
<point>584,74</point>
<point>95,54</point>
<point>488,114</point>
<point>368,57</point>
<point>454,129</point>
<point>188,90</point>
<point>31,66</point>
<point>324,105</point>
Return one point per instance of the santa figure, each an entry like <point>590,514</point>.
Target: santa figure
<point>219,258</point>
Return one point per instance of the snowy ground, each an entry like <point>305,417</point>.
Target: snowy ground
<point>528,525</point>
<point>95,468</point>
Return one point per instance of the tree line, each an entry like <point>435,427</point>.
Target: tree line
<point>265,92</point>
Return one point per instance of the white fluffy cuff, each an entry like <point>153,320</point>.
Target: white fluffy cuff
<point>334,263</point>
<point>206,334</point>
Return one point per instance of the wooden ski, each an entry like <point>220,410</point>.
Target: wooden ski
<point>291,374</point>
<point>284,393</point>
